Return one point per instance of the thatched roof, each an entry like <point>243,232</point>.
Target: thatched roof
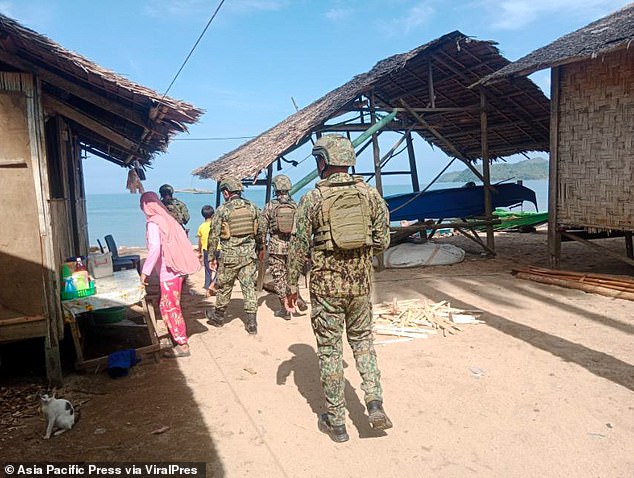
<point>518,114</point>
<point>115,117</point>
<point>616,31</point>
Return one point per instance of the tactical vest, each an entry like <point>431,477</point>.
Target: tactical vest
<point>345,221</point>
<point>241,222</point>
<point>284,217</point>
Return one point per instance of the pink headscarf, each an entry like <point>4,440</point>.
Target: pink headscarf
<point>177,250</point>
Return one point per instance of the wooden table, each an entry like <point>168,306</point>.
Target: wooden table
<point>123,288</point>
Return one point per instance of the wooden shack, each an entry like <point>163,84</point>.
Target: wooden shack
<point>54,106</point>
<point>592,129</point>
<point>426,93</point>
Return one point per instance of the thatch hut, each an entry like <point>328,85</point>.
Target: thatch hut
<point>592,128</point>
<point>429,88</point>
<point>54,104</point>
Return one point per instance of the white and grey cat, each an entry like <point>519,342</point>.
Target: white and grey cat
<point>59,414</point>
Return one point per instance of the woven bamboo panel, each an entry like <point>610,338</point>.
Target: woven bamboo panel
<point>596,143</point>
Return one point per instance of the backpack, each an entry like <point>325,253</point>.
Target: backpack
<point>285,217</point>
<point>345,216</point>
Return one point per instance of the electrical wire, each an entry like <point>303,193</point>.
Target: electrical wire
<point>194,47</point>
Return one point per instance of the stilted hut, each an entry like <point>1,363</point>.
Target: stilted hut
<point>592,130</point>
<point>425,92</point>
<point>54,104</point>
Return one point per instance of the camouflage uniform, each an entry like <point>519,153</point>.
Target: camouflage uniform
<point>277,245</point>
<point>238,259</point>
<point>340,285</point>
<point>177,209</point>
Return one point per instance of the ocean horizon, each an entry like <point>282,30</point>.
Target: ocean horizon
<point>120,215</point>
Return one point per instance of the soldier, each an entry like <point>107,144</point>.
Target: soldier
<point>277,220</point>
<point>176,207</point>
<point>343,222</point>
<point>235,226</point>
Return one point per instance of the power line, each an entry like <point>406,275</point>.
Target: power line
<point>194,47</point>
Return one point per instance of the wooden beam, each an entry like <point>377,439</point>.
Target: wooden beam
<point>269,178</point>
<point>83,119</point>
<point>441,138</point>
<point>430,83</point>
<point>486,170</point>
<point>554,238</point>
<point>129,114</point>
<point>412,163</point>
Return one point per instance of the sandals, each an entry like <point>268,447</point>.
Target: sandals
<point>177,351</point>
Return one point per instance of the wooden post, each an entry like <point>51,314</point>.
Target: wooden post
<point>628,244</point>
<point>412,163</point>
<point>430,81</point>
<point>486,171</point>
<point>218,194</point>
<point>554,236</point>
<point>375,148</point>
<point>377,166</point>
<point>269,178</point>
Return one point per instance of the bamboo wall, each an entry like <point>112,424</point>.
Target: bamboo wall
<point>595,162</point>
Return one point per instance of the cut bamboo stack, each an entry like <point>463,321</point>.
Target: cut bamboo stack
<point>621,287</point>
<point>417,318</point>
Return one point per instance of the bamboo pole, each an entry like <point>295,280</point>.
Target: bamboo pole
<point>569,284</point>
<point>554,238</point>
<point>486,170</point>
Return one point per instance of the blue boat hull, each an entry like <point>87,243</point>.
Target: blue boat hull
<point>455,202</point>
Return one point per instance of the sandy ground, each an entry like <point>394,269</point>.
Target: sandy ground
<point>543,388</point>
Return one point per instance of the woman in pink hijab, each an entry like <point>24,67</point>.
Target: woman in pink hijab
<point>171,254</point>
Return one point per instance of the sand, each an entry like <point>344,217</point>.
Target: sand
<point>543,388</point>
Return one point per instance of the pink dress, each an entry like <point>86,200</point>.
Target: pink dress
<point>171,285</point>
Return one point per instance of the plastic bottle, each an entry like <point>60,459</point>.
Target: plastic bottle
<point>79,265</point>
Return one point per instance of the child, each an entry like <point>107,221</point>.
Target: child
<point>203,236</point>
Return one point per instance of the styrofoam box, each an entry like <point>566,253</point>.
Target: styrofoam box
<point>100,265</point>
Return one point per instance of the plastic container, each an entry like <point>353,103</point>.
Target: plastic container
<point>108,316</point>
<point>100,265</point>
<point>69,292</point>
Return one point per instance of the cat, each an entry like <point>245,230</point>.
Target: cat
<point>59,413</point>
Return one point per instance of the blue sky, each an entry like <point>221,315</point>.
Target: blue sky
<point>257,54</point>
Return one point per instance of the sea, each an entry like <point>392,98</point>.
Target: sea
<point>120,215</point>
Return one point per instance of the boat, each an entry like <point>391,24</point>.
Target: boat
<point>460,202</point>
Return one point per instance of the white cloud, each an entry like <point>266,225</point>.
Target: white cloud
<point>517,14</point>
<point>337,13</point>
<point>6,8</point>
<point>416,16</point>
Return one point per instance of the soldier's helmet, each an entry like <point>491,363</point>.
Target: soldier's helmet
<point>281,183</point>
<point>166,190</point>
<point>335,149</point>
<point>231,184</point>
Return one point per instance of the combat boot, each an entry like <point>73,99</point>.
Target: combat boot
<point>283,313</point>
<point>377,416</point>
<point>301,304</point>
<point>337,433</point>
<point>251,324</point>
<point>215,317</point>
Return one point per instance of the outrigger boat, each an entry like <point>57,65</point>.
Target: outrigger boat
<point>461,202</point>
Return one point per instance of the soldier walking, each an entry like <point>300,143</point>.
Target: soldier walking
<point>277,221</point>
<point>343,222</point>
<point>176,207</point>
<point>235,227</point>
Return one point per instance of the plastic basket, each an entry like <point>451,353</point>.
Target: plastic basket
<point>108,316</point>
<point>79,293</point>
